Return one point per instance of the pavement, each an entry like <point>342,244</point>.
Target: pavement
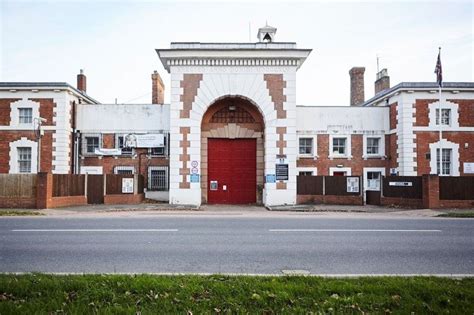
<point>156,208</point>
<point>231,240</point>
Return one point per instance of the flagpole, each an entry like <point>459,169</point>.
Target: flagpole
<point>440,125</point>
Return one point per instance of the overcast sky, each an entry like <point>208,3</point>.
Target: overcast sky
<point>115,42</point>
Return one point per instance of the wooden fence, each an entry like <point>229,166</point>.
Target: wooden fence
<point>68,185</point>
<point>409,187</point>
<point>18,185</point>
<point>114,183</point>
<point>325,185</point>
<point>456,188</point>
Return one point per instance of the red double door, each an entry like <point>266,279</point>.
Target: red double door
<point>232,171</point>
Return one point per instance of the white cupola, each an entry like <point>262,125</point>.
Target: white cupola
<point>266,34</point>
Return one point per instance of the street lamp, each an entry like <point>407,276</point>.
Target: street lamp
<point>38,133</point>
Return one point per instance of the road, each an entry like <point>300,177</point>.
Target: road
<point>238,244</point>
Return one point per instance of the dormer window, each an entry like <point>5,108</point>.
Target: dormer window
<point>267,38</point>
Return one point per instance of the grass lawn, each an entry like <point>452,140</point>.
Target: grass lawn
<point>9,212</point>
<point>148,294</point>
<point>457,215</point>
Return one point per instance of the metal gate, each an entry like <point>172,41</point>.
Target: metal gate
<point>158,178</point>
<point>95,189</point>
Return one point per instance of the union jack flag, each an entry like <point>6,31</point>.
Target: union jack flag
<point>439,70</point>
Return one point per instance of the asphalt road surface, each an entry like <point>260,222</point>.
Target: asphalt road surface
<point>238,244</point>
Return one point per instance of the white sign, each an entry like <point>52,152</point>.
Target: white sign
<point>403,184</point>
<point>468,168</point>
<point>93,170</point>
<point>149,140</point>
<point>127,185</point>
<point>353,184</point>
<point>103,151</point>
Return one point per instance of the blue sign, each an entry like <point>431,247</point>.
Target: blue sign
<point>194,178</point>
<point>270,178</point>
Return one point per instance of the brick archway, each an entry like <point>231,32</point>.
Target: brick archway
<point>233,117</point>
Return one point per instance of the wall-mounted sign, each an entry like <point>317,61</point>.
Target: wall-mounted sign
<point>393,171</point>
<point>194,178</point>
<point>400,184</point>
<point>281,171</point>
<point>194,169</point>
<point>103,151</point>
<point>352,184</point>
<point>93,170</point>
<point>127,185</point>
<point>213,185</point>
<point>270,178</point>
<point>468,168</point>
<point>149,140</point>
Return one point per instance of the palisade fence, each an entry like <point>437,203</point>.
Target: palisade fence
<point>18,185</point>
<point>325,185</point>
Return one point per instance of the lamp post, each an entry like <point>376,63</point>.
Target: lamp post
<point>38,132</point>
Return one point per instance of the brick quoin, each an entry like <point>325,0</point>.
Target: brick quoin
<point>190,85</point>
<point>275,86</point>
<point>5,110</point>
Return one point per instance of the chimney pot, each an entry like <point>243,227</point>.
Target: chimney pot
<point>81,81</point>
<point>382,81</point>
<point>357,85</point>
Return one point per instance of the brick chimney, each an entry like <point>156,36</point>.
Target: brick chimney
<point>357,85</point>
<point>382,81</point>
<point>81,81</point>
<point>157,89</point>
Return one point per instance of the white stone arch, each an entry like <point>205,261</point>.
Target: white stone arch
<point>252,87</point>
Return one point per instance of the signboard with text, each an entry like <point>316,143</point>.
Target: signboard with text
<point>352,184</point>
<point>149,140</point>
<point>127,185</point>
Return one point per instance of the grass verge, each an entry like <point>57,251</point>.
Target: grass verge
<point>457,215</point>
<point>6,213</point>
<point>148,294</point>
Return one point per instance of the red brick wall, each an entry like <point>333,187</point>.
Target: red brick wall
<point>357,163</point>
<point>46,109</point>
<point>423,146</point>
<point>9,136</point>
<point>123,199</point>
<point>5,110</point>
<point>422,112</point>
<point>109,162</point>
<point>330,200</point>
<point>393,116</point>
<point>17,202</point>
<point>401,202</point>
<point>466,112</point>
<point>57,202</point>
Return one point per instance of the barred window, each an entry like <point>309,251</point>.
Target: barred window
<point>305,173</point>
<point>25,115</point>
<point>24,159</point>
<point>306,146</point>
<point>373,145</point>
<point>124,170</point>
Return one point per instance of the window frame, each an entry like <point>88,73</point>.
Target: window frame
<point>448,118</point>
<point>29,117</point>
<point>337,153</point>
<point>445,171</point>
<point>21,160</point>
<point>126,168</point>
<point>85,146</point>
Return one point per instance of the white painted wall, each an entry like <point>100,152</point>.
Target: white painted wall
<point>336,119</point>
<point>117,118</point>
